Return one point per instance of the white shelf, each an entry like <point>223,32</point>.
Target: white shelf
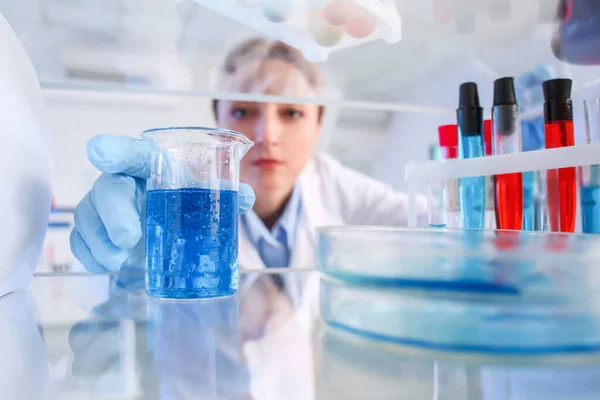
<point>296,21</point>
<point>538,160</point>
<point>153,97</point>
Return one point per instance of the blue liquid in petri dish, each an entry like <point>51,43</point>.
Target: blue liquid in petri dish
<point>590,208</point>
<point>191,243</point>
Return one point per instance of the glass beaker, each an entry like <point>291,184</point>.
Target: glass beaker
<point>192,212</point>
<point>589,177</point>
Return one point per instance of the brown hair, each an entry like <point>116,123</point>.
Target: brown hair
<point>259,48</point>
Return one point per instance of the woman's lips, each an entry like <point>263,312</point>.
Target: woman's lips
<point>267,163</point>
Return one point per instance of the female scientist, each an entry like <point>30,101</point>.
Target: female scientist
<point>295,190</point>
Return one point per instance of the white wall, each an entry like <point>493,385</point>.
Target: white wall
<point>353,136</point>
<point>76,117</point>
<point>410,135</point>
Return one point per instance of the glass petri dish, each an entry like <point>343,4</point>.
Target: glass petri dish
<point>491,294</point>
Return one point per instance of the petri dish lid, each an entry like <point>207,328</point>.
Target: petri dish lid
<point>485,295</point>
<point>461,259</point>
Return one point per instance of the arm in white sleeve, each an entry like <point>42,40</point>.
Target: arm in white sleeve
<point>366,201</point>
<point>25,165</point>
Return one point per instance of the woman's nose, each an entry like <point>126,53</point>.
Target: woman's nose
<point>267,130</point>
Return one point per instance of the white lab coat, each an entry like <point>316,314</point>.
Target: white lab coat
<point>335,195</point>
<point>25,165</point>
<point>281,362</point>
<point>24,369</point>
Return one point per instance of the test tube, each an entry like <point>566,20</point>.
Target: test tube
<point>471,190</point>
<point>192,212</point>
<point>506,128</point>
<point>589,177</point>
<point>535,208</point>
<point>448,139</point>
<point>561,183</point>
<point>490,199</point>
<point>436,194</point>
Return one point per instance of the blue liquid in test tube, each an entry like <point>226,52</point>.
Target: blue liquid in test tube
<point>192,243</point>
<point>533,138</point>
<point>471,191</point>
<point>528,201</point>
<point>589,190</point>
<point>590,202</point>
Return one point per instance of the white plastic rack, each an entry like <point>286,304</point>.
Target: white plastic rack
<point>316,27</point>
<point>539,160</point>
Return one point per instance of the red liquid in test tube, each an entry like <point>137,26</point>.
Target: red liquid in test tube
<point>562,183</point>
<point>509,200</point>
<point>558,126</point>
<point>506,133</point>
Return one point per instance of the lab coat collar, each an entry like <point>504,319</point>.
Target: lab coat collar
<point>316,212</point>
<point>288,222</point>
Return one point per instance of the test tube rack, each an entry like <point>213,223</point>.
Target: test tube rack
<point>425,174</point>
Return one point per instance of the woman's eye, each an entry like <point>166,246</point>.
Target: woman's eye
<point>293,114</point>
<point>239,113</point>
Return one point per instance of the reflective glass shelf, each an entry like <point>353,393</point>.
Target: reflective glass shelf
<point>81,337</point>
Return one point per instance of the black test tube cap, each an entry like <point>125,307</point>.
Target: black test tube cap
<point>468,96</point>
<point>558,105</point>
<point>504,92</point>
<point>557,89</point>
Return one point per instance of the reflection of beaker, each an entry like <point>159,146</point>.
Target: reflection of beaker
<point>192,212</point>
<point>195,349</point>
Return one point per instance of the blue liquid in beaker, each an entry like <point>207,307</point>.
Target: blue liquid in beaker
<point>191,244</point>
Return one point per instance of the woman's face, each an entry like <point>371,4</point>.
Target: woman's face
<point>285,137</point>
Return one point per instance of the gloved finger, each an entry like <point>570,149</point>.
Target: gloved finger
<point>121,155</point>
<point>246,198</point>
<point>114,198</point>
<point>92,230</point>
<point>82,252</point>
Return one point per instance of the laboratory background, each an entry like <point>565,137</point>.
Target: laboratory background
<point>123,67</point>
<point>392,314</point>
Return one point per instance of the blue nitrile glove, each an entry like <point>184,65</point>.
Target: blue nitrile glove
<point>108,225</point>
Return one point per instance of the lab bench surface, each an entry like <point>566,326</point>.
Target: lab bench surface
<point>82,336</point>
<point>99,337</point>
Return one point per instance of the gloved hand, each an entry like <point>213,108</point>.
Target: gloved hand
<point>108,223</point>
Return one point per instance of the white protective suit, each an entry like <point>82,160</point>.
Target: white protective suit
<point>25,165</point>
<point>25,199</point>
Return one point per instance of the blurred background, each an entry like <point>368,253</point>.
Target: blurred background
<point>122,66</point>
